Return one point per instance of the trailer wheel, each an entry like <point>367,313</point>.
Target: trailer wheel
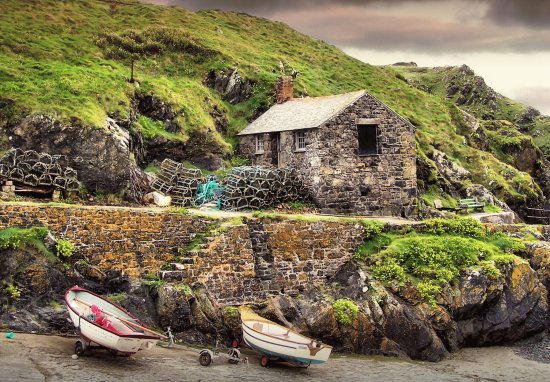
<point>264,361</point>
<point>205,358</point>
<point>79,348</point>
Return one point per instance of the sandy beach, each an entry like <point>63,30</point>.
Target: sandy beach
<point>48,358</point>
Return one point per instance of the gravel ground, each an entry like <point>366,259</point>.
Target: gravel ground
<point>48,358</point>
<point>535,349</point>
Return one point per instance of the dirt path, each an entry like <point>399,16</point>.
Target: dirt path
<point>48,358</point>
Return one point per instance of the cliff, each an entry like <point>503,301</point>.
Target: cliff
<point>118,86</point>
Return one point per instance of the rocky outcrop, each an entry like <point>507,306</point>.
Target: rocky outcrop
<point>528,116</point>
<point>468,89</point>
<point>229,84</point>
<point>155,108</point>
<point>456,175</point>
<point>101,156</point>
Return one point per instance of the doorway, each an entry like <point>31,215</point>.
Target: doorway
<point>276,149</point>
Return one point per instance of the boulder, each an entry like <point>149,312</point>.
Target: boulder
<point>173,308</point>
<point>483,194</point>
<point>527,116</point>
<point>100,156</point>
<point>157,199</point>
<point>451,171</point>
<point>229,84</point>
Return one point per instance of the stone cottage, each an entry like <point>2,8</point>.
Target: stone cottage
<point>355,153</point>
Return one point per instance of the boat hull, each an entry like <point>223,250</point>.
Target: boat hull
<point>276,341</point>
<point>125,340</point>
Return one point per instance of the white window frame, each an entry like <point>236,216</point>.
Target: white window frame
<point>300,140</point>
<point>260,144</point>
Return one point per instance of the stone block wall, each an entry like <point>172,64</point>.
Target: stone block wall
<point>381,184</point>
<point>239,263</point>
<point>249,262</point>
<point>135,241</point>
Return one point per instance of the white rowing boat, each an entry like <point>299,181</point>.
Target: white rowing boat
<point>274,341</point>
<point>99,321</point>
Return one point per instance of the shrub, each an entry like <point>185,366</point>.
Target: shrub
<point>372,228</point>
<point>389,270</point>
<point>345,310</point>
<point>428,290</point>
<point>431,261</point>
<point>19,237</point>
<point>14,291</point>
<point>64,248</point>
<point>459,226</point>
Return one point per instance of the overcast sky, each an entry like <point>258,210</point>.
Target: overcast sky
<point>505,41</point>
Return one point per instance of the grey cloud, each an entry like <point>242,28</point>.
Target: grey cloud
<point>530,13</point>
<point>353,23</point>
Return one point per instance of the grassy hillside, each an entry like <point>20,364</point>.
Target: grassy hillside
<point>478,99</point>
<point>71,59</point>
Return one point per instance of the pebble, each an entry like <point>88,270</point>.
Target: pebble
<point>74,356</point>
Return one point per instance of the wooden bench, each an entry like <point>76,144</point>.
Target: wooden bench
<point>472,203</point>
<point>439,206</point>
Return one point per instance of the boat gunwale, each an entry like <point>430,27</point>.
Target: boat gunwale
<point>323,345</point>
<point>76,288</point>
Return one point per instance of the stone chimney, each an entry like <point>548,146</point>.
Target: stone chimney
<point>284,89</point>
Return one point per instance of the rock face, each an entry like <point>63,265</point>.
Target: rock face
<point>230,84</point>
<point>452,172</point>
<point>154,108</point>
<point>103,162</point>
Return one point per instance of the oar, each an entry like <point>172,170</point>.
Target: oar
<point>123,320</point>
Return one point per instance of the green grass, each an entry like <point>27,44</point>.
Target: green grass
<point>436,254</point>
<point>14,238</point>
<point>71,59</point>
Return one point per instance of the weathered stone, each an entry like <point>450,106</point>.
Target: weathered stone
<point>157,199</point>
<point>103,162</point>
<point>173,308</point>
<point>230,84</point>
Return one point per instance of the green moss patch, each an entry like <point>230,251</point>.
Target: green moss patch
<point>437,253</point>
<point>345,310</point>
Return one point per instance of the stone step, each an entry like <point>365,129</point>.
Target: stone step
<point>179,275</point>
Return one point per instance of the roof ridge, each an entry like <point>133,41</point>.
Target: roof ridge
<point>333,109</point>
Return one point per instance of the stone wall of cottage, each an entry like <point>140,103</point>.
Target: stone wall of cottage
<point>236,262</point>
<point>343,182</point>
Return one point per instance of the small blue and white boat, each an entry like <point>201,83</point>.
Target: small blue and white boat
<point>275,342</point>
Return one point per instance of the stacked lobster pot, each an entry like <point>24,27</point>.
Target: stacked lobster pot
<point>179,182</point>
<point>36,169</point>
<point>252,188</point>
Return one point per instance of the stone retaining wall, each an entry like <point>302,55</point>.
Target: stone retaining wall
<point>237,263</point>
<point>131,240</point>
<point>263,257</point>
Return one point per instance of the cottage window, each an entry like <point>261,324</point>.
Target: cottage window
<point>259,143</point>
<point>366,134</point>
<point>300,140</point>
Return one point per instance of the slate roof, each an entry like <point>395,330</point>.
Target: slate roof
<point>301,113</point>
